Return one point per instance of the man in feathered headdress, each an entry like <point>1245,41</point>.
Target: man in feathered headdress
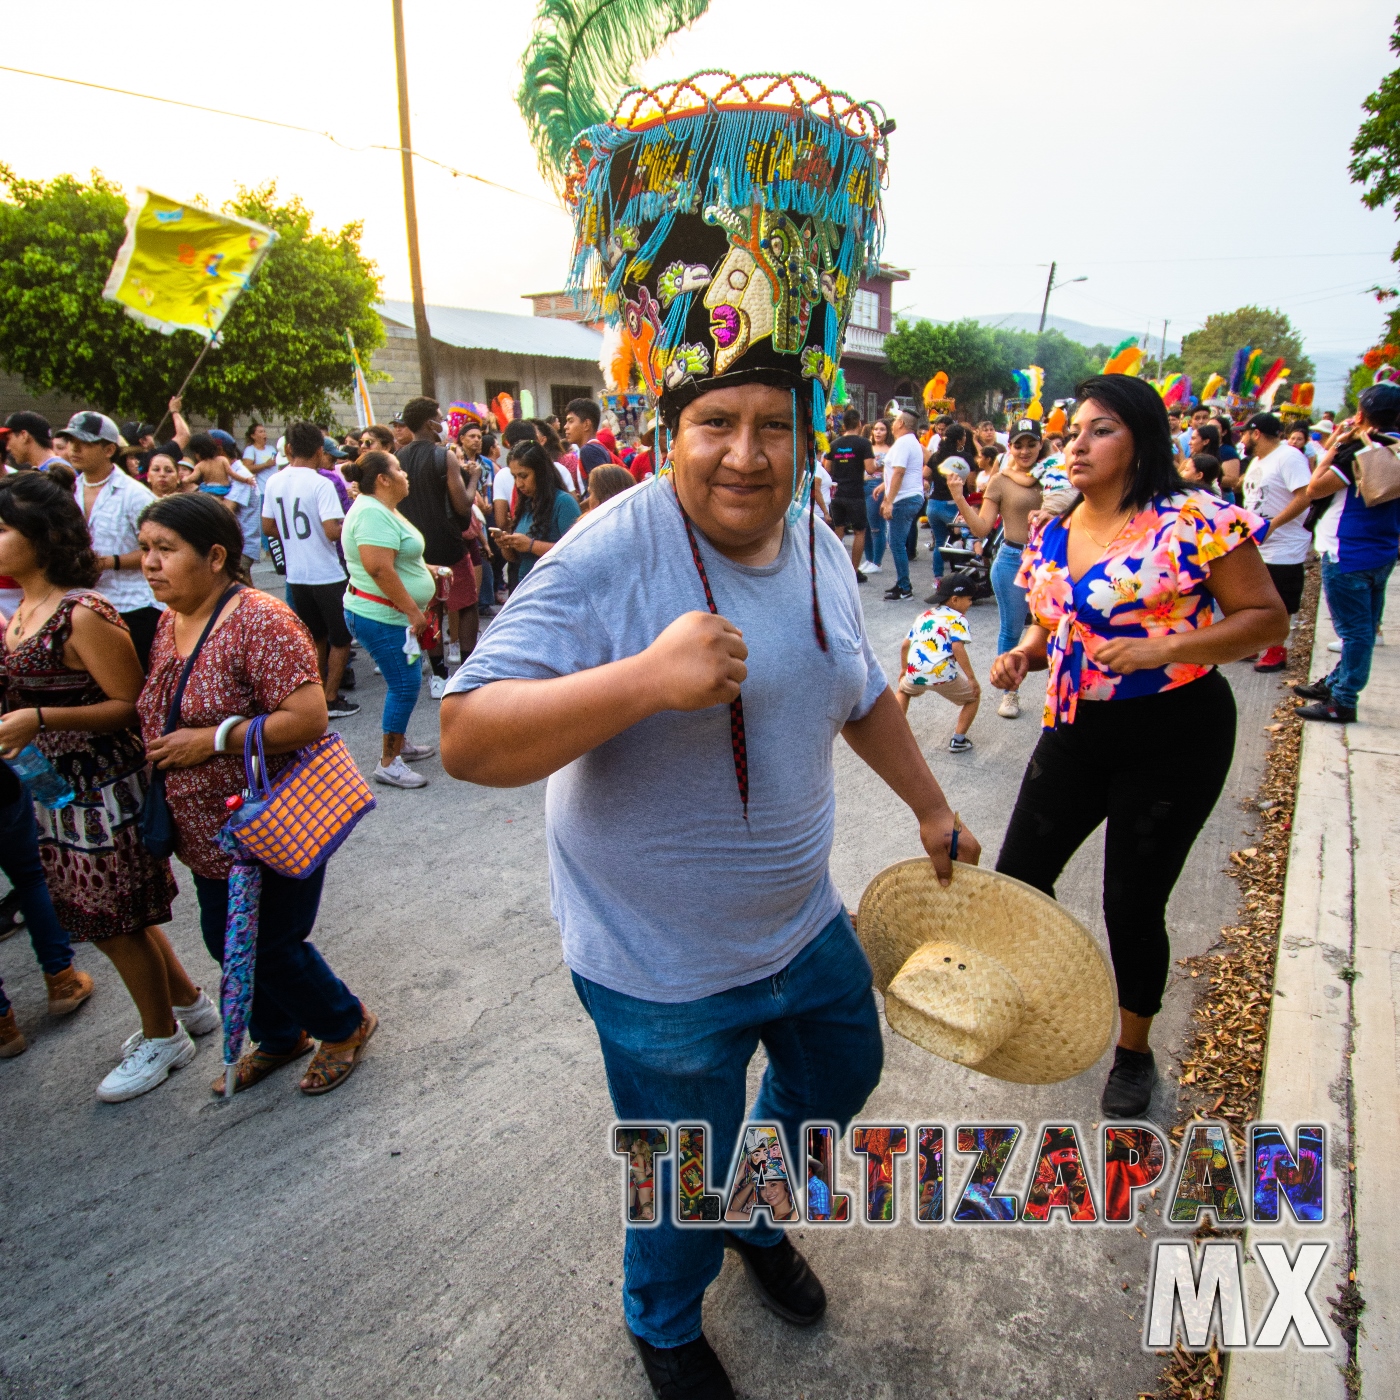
<point>685,707</point>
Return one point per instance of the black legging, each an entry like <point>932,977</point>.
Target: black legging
<point>1153,767</point>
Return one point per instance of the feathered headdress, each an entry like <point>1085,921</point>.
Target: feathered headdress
<point>1126,358</point>
<point>1303,395</point>
<point>1271,382</point>
<point>1213,385</point>
<point>723,225</point>
<point>582,58</point>
<point>1237,369</point>
<point>935,390</point>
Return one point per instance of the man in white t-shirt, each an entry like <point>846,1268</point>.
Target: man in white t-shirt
<point>1275,485</point>
<point>301,508</point>
<point>903,499</point>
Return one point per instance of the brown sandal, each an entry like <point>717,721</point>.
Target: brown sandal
<point>335,1061</point>
<point>256,1064</point>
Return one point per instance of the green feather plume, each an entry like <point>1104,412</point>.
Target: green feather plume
<point>582,58</point>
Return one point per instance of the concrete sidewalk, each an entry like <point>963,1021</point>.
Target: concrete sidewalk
<point>1333,1054</point>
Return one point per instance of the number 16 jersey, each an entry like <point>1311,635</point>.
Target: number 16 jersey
<point>299,500</point>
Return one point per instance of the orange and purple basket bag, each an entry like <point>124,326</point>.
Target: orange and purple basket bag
<point>296,823</point>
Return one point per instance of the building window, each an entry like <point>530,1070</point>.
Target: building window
<point>855,397</point>
<point>562,395</point>
<point>872,406</point>
<point>866,310</point>
<point>496,387</point>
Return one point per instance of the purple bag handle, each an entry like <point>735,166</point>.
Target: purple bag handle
<point>255,765</point>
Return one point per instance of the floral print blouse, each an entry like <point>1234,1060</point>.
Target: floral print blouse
<point>1149,583</point>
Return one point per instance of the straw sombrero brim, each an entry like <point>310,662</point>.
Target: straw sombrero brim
<point>1065,979</point>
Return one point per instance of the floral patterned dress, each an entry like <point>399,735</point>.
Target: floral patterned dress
<point>1151,582</point>
<point>102,878</point>
<point>249,666</point>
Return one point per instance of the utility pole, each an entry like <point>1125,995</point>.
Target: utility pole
<point>1162,358</point>
<point>426,371</point>
<point>1050,286</point>
<point>1045,305</point>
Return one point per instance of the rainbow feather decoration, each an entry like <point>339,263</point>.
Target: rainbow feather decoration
<point>1237,379</point>
<point>1172,388</point>
<point>581,58</point>
<point>1251,373</point>
<point>1303,395</point>
<point>1272,382</point>
<point>1212,387</point>
<point>1126,358</point>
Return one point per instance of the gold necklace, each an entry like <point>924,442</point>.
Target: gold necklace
<point>1104,544</point>
<point>19,612</point>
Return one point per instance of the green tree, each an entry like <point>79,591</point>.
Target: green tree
<point>979,359</point>
<point>282,348</point>
<point>1375,162</point>
<point>1211,349</point>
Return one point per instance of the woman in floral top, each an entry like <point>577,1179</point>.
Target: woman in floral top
<point>258,660</point>
<point>1139,725</point>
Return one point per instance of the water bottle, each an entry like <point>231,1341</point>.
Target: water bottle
<point>45,783</point>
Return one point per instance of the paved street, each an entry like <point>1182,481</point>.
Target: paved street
<point>448,1222</point>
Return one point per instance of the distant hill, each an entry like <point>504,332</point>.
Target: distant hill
<point>1076,330</point>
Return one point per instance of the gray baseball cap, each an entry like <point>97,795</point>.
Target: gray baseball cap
<point>91,427</point>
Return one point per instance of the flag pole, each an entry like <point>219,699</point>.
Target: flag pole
<point>180,392</point>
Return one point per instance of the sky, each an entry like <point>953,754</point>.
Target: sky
<point>1184,159</point>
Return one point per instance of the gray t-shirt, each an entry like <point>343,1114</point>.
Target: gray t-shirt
<point>661,889</point>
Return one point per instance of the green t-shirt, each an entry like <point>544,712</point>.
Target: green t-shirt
<point>372,522</point>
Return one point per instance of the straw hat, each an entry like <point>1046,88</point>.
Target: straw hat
<point>988,973</point>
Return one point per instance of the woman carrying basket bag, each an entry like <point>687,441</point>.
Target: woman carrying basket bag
<point>255,659</point>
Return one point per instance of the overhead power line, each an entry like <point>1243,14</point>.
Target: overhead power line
<point>285,126</point>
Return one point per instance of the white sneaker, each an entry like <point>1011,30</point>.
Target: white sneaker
<point>148,1064</point>
<point>1337,645</point>
<point>437,687</point>
<point>1010,707</point>
<point>412,753</point>
<point>1334,646</point>
<point>201,1017</point>
<point>399,774</point>
<point>867,567</point>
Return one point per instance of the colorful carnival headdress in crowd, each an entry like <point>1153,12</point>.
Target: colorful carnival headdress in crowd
<point>722,225</point>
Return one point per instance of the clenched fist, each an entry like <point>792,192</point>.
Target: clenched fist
<point>698,661</point>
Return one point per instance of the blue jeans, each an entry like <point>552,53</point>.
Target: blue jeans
<point>293,986</point>
<point>384,642</point>
<point>904,514</point>
<point>941,514</point>
<point>875,535</point>
<point>19,859</point>
<point>667,1063</point>
<point>1356,600</point>
<point>1011,601</point>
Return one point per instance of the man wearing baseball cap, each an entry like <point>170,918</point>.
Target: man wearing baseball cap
<point>112,501</point>
<point>29,441</point>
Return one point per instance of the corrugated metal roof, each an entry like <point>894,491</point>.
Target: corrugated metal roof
<point>497,330</point>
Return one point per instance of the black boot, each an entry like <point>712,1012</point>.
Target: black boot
<point>1312,690</point>
<point>1327,710</point>
<point>688,1372</point>
<point>782,1278</point>
<point>1130,1084</point>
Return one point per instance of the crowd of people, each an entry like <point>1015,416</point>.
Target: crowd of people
<point>118,550</point>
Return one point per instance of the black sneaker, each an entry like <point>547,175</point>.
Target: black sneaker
<point>342,708</point>
<point>688,1372</point>
<point>782,1278</point>
<point>896,594</point>
<point>959,743</point>
<point>1327,710</point>
<point>1312,690</point>
<point>1130,1084</point>
<point>347,680</point>
<point>860,577</point>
